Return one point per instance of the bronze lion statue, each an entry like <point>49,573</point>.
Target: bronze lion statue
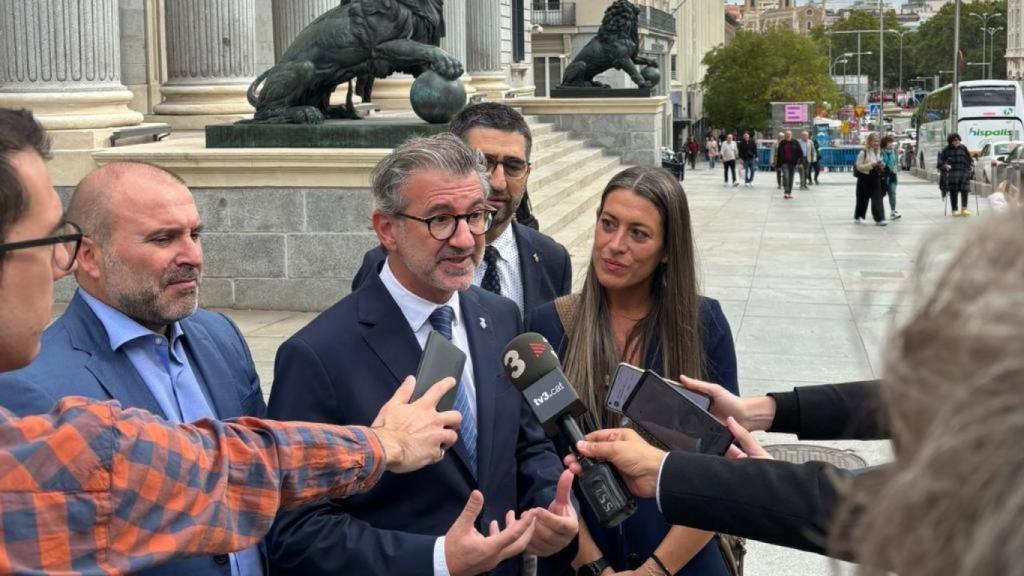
<point>616,46</point>
<point>358,37</point>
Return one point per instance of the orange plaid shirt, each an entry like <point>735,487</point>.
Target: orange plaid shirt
<point>92,488</point>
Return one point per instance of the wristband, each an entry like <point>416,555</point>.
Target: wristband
<point>660,564</point>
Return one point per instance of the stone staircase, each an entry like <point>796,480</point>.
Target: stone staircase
<point>565,188</point>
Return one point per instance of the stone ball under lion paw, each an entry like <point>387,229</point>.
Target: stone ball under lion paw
<point>436,99</point>
<point>652,75</point>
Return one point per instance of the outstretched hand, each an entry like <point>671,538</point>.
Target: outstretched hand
<point>558,524</point>
<point>415,434</point>
<point>467,551</point>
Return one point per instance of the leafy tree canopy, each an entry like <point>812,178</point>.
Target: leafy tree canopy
<point>758,68</point>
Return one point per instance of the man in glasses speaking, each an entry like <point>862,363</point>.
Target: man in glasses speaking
<point>520,263</point>
<point>431,214</point>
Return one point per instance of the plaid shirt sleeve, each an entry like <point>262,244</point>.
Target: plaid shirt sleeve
<point>94,489</point>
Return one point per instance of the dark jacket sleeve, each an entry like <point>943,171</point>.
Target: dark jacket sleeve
<point>849,411</point>
<point>770,501</point>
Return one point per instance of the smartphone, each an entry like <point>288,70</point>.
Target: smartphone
<point>441,359</point>
<point>672,419</point>
<point>628,376</point>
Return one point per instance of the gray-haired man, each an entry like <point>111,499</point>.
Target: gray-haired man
<point>431,215</point>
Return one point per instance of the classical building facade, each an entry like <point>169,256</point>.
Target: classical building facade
<point>801,17</point>
<point>700,29</point>
<point>1015,40</point>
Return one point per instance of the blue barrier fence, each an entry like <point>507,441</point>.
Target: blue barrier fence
<point>832,159</point>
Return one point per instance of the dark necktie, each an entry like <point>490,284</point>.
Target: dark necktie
<point>441,319</point>
<point>490,281</point>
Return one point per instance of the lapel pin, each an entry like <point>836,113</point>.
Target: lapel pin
<point>483,323</point>
<point>536,258</point>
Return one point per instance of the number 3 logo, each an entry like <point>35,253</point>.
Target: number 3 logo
<point>513,361</point>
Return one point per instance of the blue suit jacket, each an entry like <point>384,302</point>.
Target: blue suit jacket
<point>76,360</point>
<point>544,263</point>
<point>342,368</point>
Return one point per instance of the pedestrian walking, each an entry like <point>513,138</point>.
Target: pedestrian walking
<point>748,154</point>
<point>711,149</point>
<point>773,159</point>
<point>810,156</point>
<point>870,171</point>
<point>692,150</point>
<point>787,157</point>
<point>816,165</point>
<point>891,159</point>
<point>729,155</point>
<point>956,162</point>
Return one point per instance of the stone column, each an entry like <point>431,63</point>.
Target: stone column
<point>291,16</point>
<point>211,60</point>
<point>483,47</point>
<point>62,60</point>
<point>454,41</point>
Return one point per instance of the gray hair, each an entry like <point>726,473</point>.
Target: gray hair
<point>443,152</point>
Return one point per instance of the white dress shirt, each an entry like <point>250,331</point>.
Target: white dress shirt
<point>417,313</point>
<point>510,276</point>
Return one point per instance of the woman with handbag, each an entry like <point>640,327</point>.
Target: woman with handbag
<point>640,305</point>
<point>870,171</point>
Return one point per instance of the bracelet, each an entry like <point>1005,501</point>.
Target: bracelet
<point>660,564</point>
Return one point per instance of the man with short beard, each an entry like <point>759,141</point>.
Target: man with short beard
<point>520,263</point>
<point>133,331</point>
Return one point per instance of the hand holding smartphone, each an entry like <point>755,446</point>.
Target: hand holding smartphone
<point>441,359</point>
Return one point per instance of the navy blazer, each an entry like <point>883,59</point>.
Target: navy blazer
<point>545,266</point>
<point>632,542</point>
<point>76,360</point>
<point>342,368</point>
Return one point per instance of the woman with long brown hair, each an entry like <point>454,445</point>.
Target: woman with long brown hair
<point>640,304</point>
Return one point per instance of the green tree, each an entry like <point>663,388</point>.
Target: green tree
<point>756,69</point>
<point>932,50</point>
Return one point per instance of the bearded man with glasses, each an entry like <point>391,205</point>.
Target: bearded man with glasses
<point>432,215</point>
<point>519,262</point>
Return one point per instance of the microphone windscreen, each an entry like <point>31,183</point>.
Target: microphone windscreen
<point>527,358</point>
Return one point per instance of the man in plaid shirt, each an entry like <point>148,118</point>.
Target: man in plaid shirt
<point>92,488</point>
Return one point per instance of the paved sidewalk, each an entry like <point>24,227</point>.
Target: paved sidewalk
<point>809,295</point>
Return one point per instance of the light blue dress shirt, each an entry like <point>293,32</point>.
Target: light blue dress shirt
<point>165,368</point>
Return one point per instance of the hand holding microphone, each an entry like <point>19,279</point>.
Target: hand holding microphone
<point>534,369</point>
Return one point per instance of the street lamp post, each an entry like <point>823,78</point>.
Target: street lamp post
<point>984,16</point>
<point>992,47</point>
<point>843,59</point>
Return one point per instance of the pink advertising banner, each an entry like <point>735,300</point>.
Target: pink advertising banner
<point>796,113</point>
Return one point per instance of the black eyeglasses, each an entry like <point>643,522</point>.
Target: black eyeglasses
<point>515,168</point>
<point>443,226</point>
<point>65,245</point>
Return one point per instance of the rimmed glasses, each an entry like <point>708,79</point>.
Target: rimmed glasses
<point>443,226</point>
<point>65,245</point>
<point>515,168</point>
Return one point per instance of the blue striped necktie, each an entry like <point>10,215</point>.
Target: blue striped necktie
<point>441,319</point>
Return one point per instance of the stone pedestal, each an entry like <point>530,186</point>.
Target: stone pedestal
<point>392,93</point>
<point>632,127</point>
<point>483,48</point>
<point>211,51</point>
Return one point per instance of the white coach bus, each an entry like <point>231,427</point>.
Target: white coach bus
<point>987,111</point>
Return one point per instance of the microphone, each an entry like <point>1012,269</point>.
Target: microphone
<point>535,371</point>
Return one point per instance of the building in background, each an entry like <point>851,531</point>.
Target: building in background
<point>916,12</point>
<point>1015,40</point>
<point>801,17</point>
<point>733,18</point>
<point>700,27</point>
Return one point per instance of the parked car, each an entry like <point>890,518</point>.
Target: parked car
<point>906,150</point>
<point>991,155</point>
